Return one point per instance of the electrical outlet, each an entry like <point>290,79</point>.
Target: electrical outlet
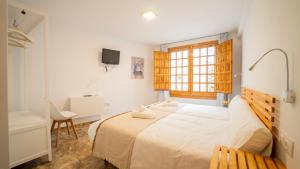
<point>287,143</point>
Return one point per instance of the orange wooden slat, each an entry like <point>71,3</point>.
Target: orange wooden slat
<point>279,164</point>
<point>251,161</point>
<point>267,123</point>
<point>264,103</point>
<point>223,160</point>
<point>270,163</point>
<point>260,162</point>
<point>232,160</point>
<point>224,157</point>
<point>263,106</point>
<point>262,96</point>
<point>266,97</point>
<point>241,160</point>
<point>161,70</point>
<point>214,161</point>
<point>224,67</point>
<point>260,108</point>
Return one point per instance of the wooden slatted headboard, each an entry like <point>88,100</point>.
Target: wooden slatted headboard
<point>263,105</point>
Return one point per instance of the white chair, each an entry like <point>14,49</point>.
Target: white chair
<point>60,117</point>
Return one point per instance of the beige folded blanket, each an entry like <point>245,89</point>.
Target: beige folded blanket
<point>115,137</point>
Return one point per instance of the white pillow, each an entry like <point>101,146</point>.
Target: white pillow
<point>247,132</point>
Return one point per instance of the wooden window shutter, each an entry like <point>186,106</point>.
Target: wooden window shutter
<point>161,70</point>
<point>224,68</point>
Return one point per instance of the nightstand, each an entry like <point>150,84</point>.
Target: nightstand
<point>230,158</point>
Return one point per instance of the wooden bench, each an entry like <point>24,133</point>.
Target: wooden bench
<point>230,158</point>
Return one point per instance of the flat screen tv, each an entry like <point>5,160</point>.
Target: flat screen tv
<point>110,56</point>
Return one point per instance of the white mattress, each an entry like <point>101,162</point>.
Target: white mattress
<point>23,120</point>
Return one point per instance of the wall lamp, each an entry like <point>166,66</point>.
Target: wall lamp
<point>288,95</point>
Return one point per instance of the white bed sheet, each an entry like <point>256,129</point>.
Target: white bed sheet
<point>163,106</point>
<point>182,140</point>
<point>93,129</point>
<point>157,107</point>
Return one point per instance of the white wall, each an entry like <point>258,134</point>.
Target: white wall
<point>4,154</point>
<point>236,64</point>
<point>74,68</point>
<point>269,24</point>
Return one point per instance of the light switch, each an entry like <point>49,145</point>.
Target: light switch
<point>287,143</point>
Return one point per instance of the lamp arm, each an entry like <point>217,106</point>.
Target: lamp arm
<point>286,60</point>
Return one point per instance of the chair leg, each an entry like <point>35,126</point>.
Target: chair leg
<point>71,121</point>
<point>67,126</point>
<point>53,125</point>
<point>57,134</point>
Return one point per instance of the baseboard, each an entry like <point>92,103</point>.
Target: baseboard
<point>16,163</point>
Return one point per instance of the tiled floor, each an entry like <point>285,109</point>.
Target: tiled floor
<point>69,154</point>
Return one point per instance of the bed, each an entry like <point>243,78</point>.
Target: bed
<point>182,136</point>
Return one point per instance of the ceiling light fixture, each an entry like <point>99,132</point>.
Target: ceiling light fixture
<point>149,15</point>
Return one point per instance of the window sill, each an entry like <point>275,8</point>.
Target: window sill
<point>206,96</point>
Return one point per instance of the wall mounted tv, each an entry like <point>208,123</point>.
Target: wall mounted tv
<point>110,56</point>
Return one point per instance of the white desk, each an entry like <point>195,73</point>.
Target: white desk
<point>88,106</point>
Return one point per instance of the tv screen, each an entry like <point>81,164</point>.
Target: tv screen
<point>110,56</point>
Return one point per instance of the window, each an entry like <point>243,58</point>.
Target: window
<point>179,70</point>
<point>193,70</point>
<point>204,69</point>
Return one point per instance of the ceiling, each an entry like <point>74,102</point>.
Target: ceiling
<point>176,20</point>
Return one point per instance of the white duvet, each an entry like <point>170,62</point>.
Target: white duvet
<point>182,140</point>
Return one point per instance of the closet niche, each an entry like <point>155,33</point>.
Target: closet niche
<point>29,116</point>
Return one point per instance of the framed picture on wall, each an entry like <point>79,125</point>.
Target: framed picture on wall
<point>137,67</point>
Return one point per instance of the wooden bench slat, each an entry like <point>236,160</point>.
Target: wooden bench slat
<point>260,162</point>
<point>279,164</point>
<point>270,163</point>
<point>223,162</point>
<point>241,160</point>
<point>232,160</point>
<point>214,161</point>
<point>224,158</point>
<point>251,161</point>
